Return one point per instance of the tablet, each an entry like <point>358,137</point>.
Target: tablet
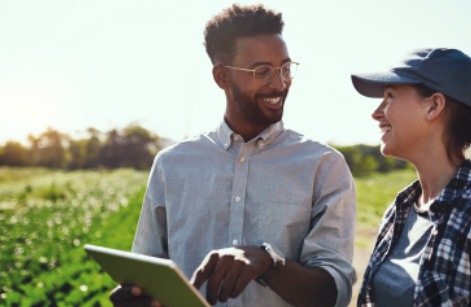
<point>158,278</point>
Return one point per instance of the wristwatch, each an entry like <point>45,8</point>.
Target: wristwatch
<point>275,254</point>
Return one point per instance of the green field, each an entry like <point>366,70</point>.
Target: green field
<point>377,191</point>
<point>47,216</point>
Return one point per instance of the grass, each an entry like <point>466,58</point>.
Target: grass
<point>376,192</point>
<point>47,216</point>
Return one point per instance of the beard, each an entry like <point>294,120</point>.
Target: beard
<point>252,111</point>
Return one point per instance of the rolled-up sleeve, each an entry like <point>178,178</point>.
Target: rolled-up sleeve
<point>329,244</point>
<point>151,235</point>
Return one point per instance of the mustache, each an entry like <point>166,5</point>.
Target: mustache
<point>274,94</point>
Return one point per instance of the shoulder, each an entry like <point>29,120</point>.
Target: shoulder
<point>198,144</point>
<point>328,164</point>
<point>311,148</point>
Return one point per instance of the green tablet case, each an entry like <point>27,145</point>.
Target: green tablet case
<point>159,278</point>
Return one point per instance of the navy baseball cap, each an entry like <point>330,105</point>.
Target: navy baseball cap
<point>447,71</point>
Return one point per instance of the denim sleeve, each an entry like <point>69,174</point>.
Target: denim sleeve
<point>151,235</point>
<point>329,243</point>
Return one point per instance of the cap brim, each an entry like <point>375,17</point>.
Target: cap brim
<point>373,84</point>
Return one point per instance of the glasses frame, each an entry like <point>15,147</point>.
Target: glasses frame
<point>274,68</point>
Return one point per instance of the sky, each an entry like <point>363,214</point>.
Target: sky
<point>106,64</point>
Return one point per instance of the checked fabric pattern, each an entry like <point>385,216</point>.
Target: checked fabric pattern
<point>445,272</point>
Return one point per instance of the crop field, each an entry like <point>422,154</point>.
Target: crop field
<point>47,216</point>
<point>45,219</point>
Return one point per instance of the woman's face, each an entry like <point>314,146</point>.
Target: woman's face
<point>401,117</point>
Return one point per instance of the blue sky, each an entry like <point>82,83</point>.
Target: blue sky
<point>105,64</point>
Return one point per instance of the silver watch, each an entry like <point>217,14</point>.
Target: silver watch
<point>276,255</point>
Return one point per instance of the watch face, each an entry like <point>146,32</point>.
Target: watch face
<point>276,251</point>
<point>276,254</point>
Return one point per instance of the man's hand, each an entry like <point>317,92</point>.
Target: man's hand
<point>230,270</point>
<point>123,296</point>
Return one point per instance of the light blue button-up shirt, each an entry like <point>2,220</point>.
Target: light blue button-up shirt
<point>216,191</point>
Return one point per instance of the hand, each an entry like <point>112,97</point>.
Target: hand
<point>129,295</point>
<point>234,267</point>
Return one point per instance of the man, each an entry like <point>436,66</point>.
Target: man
<point>262,215</point>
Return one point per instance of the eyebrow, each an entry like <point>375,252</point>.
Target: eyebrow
<point>256,64</point>
<point>388,86</point>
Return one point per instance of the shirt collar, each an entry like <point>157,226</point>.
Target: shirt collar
<point>225,134</point>
<point>409,195</point>
<point>456,186</point>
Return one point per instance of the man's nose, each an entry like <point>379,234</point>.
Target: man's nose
<point>277,82</point>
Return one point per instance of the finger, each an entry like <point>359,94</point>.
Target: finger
<point>229,281</point>
<point>204,270</point>
<point>243,280</point>
<point>223,266</point>
<point>155,303</point>
<point>124,293</point>
<point>139,302</point>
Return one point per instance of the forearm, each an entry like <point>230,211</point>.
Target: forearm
<point>303,286</point>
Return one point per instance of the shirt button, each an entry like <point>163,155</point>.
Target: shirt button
<point>242,159</point>
<point>237,199</point>
<point>236,138</point>
<point>227,144</point>
<point>261,144</point>
<point>235,242</point>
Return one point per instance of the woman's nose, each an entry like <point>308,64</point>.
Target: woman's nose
<point>378,114</point>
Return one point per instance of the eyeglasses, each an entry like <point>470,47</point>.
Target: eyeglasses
<point>264,74</point>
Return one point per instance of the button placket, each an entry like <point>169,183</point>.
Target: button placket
<point>239,191</point>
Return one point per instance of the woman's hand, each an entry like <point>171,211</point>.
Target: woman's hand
<point>129,295</point>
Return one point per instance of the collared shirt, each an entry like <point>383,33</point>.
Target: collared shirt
<point>216,191</point>
<point>445,270</point>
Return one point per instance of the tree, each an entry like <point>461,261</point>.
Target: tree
<point>13,154</point>
<point>48,149</point>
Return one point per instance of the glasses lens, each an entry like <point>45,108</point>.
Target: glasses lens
<point>263,74</point>
<point>289,70</point>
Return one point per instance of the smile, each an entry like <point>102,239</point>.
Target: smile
<point>272,100</point>
<point>385,129</point>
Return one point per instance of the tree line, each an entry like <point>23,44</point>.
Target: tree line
<point>132,146</point>
<point>364,159</point>
<point>136,147</point>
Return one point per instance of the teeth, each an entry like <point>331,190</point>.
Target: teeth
<point>272,100</point>
<point>385,129</point>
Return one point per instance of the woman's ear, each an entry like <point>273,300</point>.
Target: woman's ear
<point>436,106</point>
<point>220,77</point>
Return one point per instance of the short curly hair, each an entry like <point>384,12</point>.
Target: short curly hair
<point>222,30</point>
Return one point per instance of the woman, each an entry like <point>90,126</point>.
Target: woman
<point>422,253</point>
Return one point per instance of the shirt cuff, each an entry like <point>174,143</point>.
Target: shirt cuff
<point>344,291</point>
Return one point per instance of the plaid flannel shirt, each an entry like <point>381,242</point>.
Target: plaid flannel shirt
<point>445,269</point>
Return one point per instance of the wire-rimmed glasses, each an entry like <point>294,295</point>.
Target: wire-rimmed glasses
<point>263,74</point>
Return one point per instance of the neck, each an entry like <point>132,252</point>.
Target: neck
<point>434,171</point>
<point>246,130</point>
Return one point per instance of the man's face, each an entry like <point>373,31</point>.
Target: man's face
<point>258,104</point>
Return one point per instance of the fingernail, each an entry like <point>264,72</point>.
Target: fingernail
<point>136,291</point>
<point>155,304</point>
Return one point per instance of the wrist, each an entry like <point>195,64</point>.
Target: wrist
<point>278,259</point>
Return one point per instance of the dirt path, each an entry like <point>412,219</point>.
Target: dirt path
<point>364,242</point>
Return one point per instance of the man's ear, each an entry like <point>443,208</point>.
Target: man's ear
<point>436,106</point>
<point>220,77</point>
